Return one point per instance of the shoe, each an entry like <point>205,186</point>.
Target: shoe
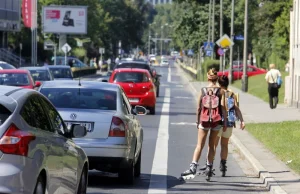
<point>209,172</point>
<point>190,173</point>
<point>223,167</point>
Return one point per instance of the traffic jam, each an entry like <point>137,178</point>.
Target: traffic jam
<point>55,128</point>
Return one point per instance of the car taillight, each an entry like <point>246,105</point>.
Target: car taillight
<point>117,128</point>
<point>15,141</point>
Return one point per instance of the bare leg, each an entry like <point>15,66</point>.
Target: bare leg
<point>201,142</point>
<point>224,148</point>
<point>211,146</point>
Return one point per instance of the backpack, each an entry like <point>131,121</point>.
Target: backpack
<point>230,108</point>
<point>209,110</point>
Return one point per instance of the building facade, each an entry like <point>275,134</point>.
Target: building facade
<point>156,2</point>
<point>292,82</point>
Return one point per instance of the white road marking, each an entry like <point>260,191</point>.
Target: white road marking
<point>158,181</point>
<point>169,74</point>
<point>183,123</point>
<point>182,97</point>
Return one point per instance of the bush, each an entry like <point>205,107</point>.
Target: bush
<point>209,63</point>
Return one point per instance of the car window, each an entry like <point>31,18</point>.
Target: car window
<point>14,79</point>
<point>125,107</point>
<point>81,98</point>
<point>136,77</point>
<point>4,114</point>
<point>33,113</point>
<point>250,69</point>
<point>61,73</point>
<point>40,75</point>
<point>55,119</point>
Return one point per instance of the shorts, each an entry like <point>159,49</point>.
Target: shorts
<point>226,134</point>
<point>217,128</point>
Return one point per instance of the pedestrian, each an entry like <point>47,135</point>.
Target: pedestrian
<point>46,62</point>
<point>233,113</point>
<point>273,78</point>
<point>211,107</point>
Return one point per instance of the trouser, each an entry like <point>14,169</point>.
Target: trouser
<point>273,96</point>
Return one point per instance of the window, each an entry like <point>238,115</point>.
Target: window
<point>61,73</point>
<point>136,77</point>
<point>250,69</point>
<point>40,75</point>
<point>81,98</point>
<point>4,114</point>
<point>125,103</point>
<point>33,113</point>
<point>14,79</point>
<point>54,117</point>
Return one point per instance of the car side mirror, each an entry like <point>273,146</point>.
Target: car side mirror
<point>38,84</point>
<point>78,131</point>
<point>139,110</point>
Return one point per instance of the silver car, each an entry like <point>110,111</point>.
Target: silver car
<point>37,154</point>
<point>115,135</point>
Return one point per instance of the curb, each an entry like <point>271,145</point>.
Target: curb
<point>269,182</point>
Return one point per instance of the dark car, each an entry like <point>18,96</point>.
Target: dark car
<point>60,72</point>
<point>142,65</point>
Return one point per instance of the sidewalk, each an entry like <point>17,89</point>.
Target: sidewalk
<point>275,174</point>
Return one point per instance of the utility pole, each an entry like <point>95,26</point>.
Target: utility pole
<point>209,22</point>
<point>149,41</point>
<point>232,37</point>
<point>155,50</point>
<point>221,31</point>
<point>213,27</point>
<point>245,77</point>
<point>161,39</point>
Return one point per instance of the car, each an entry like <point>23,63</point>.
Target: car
<point>60,60</point>
<point>115,135</point>
<point>138,86</point>
<point>4,65</point>
<point>40,74</point>
<point>60,72</point>
<point>142,65</point>
<point>164,62</point>
<point>37,152</point>
<point>238,71</point>
<point>19,78</point>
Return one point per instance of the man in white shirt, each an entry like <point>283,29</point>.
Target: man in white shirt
<point>271,77</point>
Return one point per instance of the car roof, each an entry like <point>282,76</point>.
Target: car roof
<point>131,70</point>
<point>84,84</point>
<point>34,68</point>
<point>134,62</point>
<point>58,67</point>
<point>14,71</point>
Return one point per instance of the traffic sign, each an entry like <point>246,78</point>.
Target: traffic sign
<point>208,46</point>
<point>66,48</point>
<point>190,52</point>
<point>225,42</point>
<point>220,51</point>
<point>101,50</point>
<point>208,53</point>
<point>239,37</point>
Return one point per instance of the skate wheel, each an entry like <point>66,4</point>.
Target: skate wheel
<point>207,178</point>
<point>223,174</point>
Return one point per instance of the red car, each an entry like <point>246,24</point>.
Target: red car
<point>17,77</point>
<point>137,85</point>
<point>238,71</point>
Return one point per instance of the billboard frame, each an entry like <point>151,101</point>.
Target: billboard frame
<point>64,6</point>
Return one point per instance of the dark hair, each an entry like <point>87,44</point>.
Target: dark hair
<point>223,81</point>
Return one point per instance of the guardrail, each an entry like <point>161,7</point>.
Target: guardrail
<point>83,71</point>
<point>191,71</point>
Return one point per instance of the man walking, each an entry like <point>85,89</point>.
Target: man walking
<point>272,77</point>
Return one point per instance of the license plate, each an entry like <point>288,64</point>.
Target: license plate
<point>88,126</point>
<point>133,100</point>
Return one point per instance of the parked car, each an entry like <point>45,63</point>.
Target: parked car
<point>60,72</point>
<point>238,71</point>
<point>40,74</point>
<point>36,148</point>
<point>138,86</point>
<point>142,65</point>
<point>115,136</point>
<point>19,78</point>
<point>60,60</point>
<point>4,65</point>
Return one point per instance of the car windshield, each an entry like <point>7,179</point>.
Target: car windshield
<point>133,65</point>
<point>6,66</point>
<point>40,75</point>
<point>14,79</point>
<point>136,77</point>
<point>81,98</point>
<point>61,73</point>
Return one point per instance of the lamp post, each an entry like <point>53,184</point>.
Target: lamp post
<point>161,39</point>
<point>149,38</point>
<point>221,31</point>
<point>245,77</point>
<point>155,50</point>
<point>232,36</point>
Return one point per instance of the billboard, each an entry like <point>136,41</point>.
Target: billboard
<point>64,19</point>
<point>10,15</point>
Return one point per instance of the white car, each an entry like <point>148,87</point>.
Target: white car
<point>164,63</point>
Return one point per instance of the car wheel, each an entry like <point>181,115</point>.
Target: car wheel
<point>40,187</point>
<point>83,183</point>
<point>137,166</point>
<point>126,175</point>
<point>157,92</point>
<point>152,110</point>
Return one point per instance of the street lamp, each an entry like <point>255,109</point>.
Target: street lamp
<point>149,38</point>
<point>161,42</point>
<point>231,49</point>
<point>245,77</point>
<point>155,50</point>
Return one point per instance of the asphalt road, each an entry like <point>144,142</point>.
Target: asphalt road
<point>169,142</point>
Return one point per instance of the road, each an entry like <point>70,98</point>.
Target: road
<point>169,142</point>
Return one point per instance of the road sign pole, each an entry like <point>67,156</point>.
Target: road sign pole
<point>54,54</point>
<point>231,48</point>
<point>245,77</point>
<point>213,26</point>
<point>221,30</point>
<point>66,56</point>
